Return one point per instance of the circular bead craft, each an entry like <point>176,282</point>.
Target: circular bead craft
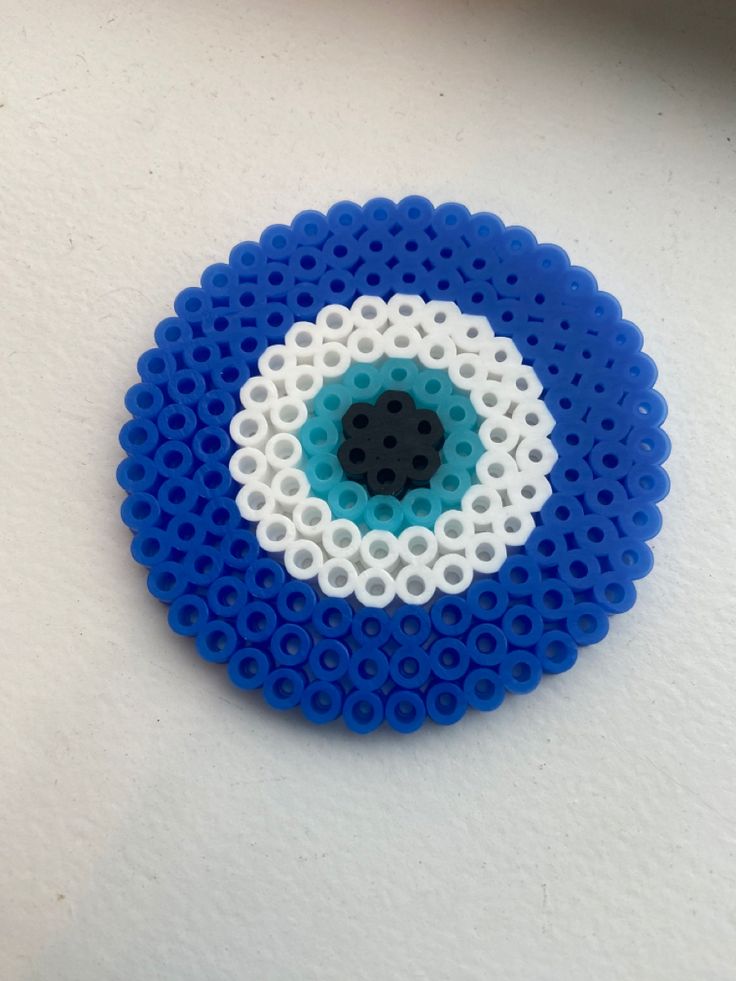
<point>393,462</point>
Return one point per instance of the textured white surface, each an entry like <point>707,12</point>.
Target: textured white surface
<point>154,824</point>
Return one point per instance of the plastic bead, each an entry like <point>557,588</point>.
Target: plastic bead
<point>524,533</point>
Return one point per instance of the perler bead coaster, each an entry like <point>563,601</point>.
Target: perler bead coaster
<point>394,462</point>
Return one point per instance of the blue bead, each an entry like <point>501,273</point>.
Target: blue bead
<point>249,667</point>
<point>283,688</point>
<point>295,601</point>
<point>587,624</point>
<point>368,668</point>
<point>405,711</point>
<point>329,660</point>
<point>265,579</point>
<point>483,689</point>
<point>363,711</point>
<point>144,400</point>
<point>449,658</point>
<point>140,510</point>
<point>290,645</point>
<point>322,702</point>
<point>166,581</point>
<point>370,626</point>
<point>151,545</point>
<point>409,666</point>
<point>520,671</point>
<point>332,617</point>
<point>487,645</point>
<point>556,651</point>
<point>446,703</point>
<point>410,624</point>
<point>487,600</point>
<point>451,616</point>
<point>217,641</point>
<point>257,621</point>
<point>187,531</point>
<point>187,614</point>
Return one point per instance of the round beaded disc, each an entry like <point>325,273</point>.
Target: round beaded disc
<point>438,571</point>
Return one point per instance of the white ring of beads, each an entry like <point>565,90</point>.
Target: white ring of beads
<point>378,566</point>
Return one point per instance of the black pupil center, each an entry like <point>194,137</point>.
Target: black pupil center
<point>391,446</point>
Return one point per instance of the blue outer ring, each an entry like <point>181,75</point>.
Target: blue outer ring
<point>551,597</point>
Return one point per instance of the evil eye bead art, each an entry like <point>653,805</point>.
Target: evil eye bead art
<point>394,462</point>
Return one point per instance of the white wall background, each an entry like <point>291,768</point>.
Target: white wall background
<point>156,825</point>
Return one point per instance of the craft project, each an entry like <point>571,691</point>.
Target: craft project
<point>393,462</point>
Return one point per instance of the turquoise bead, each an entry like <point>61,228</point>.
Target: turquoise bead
<point>332,401</point>
<point>348,500</point>
<point>457,412</point>
<point>319,435</point>
<point>398,374</point>
<point>421,506</point>
<point>362,381</point>
<point>432,388</point>
<point>450,482</point>
<point>384,513</point>
<point>324,472</point>
<point>462,449</point>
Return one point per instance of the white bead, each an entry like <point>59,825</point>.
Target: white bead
<point>370,311</point>
<point>335,322</point>
<point>311,517</point>
<point>521,383</point>
<point>529,490</point>
<point>533,418</point>
<point>258,393</point>
<point>337,577</point>
<point>490,399</point>
<point>516,525</point>
<point>379,550</point>
<point>247,464</point>
<point>467,372</point>
<point>341,539</point>
<point>416,584</point>
<point>275,363</point>
<point>303,382</point>
<point>496,468</point>
<point>405,310</point>
<point>290,486</point>
<point>499,434</point>
<point>287,414</point>
<point>453,573</point>
<point>481,504</point>
<point>470,333</point>
<point>249,428</point>
<point>303,340</point>
<point>366,345</point>
<point>375,587</point>
<point>332,360</point>
<point>417,546</point>
<point>437,351</point>
<point>499,355</point>
<point>401,341</point>
<point>485,551</point>
<point>438,316</point>
<point>303,559</point>
<point>535,456</point>
<point>255,501</point>
<point>275,532</point>
<point>451,530</point>
<point>282,450</point>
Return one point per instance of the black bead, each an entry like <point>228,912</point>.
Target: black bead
<point>391,446</point>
